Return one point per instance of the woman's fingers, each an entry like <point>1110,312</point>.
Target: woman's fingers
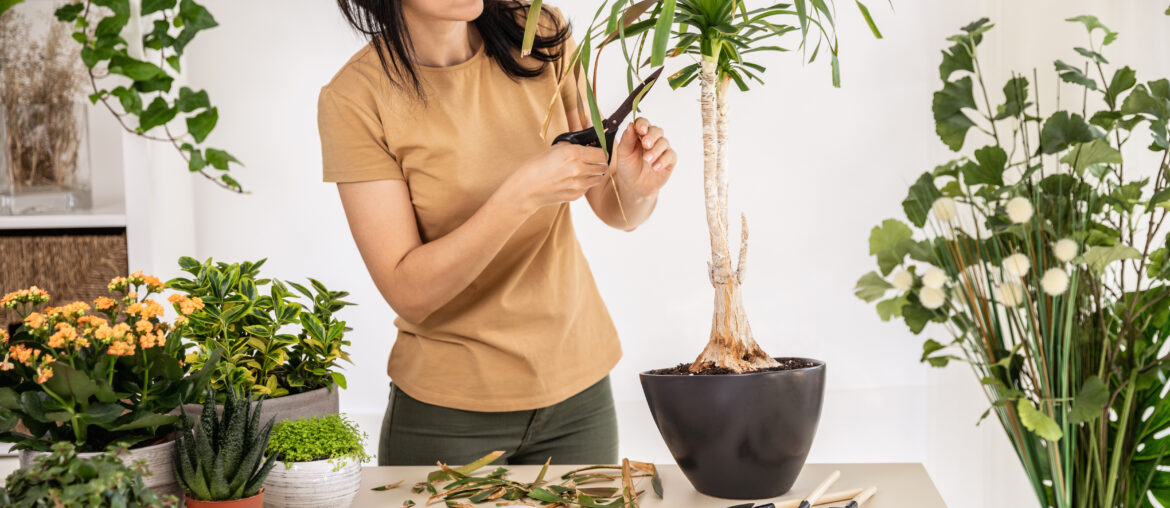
<point>667,161</point>
<point>651,136</point>
<point>655,152</point>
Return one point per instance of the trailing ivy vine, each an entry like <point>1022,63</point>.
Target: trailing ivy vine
<point>146,105</point>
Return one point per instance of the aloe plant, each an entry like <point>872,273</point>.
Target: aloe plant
<point>721,37</point>
<point>222,458</point>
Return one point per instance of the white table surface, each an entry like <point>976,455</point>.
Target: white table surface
<point>900,485</point>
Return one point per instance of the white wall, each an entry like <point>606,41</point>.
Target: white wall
<point>813,167</point>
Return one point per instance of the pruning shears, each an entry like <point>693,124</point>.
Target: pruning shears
<point>588,136</point>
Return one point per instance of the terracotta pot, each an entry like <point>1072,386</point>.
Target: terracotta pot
<point>256,501</point>
<point>739,436</point>
<point>312,484</point>
<point>321,401</point>
<point>159,458</point>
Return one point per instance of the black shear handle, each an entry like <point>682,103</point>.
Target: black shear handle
<point>588,137</point>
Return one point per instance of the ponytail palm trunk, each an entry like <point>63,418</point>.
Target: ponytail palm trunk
<point>731,345</point>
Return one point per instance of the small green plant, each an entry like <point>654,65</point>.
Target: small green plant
<point>333,437</point>
<point>224,306</point>
<point>62,478</point>
<point>223,457</point>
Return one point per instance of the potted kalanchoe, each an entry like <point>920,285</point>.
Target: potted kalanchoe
<point>321,462</point>
<point>1040,253</point>
<point>95,375</point>
<point>777,401</point>
<point>275,346</point>
<point>220,460</point>
<point>64,478</point>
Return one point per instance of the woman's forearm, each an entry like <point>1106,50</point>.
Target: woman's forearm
<point>433,273</point>
<point>627,215</point>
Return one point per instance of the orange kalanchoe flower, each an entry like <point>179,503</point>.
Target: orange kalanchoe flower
<point>144,326</point>
<point>21,353</point>
<point>117,284</point>
<point>31,295</point>
<point>121,348</point>
<point>103,303</point>
<point>64,335</point>
<point>91,321</point>
<point>7,365</point>
<point>104,332</point>
<point>44,374</point>
<point>188,306</point>
<point>35,320</point>
<point>174,297</point>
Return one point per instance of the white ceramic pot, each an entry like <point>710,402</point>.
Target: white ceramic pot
<point>312,484</point>
<point>321,401</point>
<point>159,458</point>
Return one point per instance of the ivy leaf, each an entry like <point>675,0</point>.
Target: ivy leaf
<point>149,6</point>
<point>190,101</point>
<point>1061,130</point>
<point>992,161</point>
<point>158,113</point>
<point>920,198</point>
<point>871,287</point>
<point>199,126</point>
<point>194,18</point>
<point>1015,94</point>
<point>892,307</point>
<point>1090,401</point>
<point>1072,74</point>
<point>890,242</point>
<point>67,12</point>
<point>1123,79</point>
<point>1038,422</point>
<point>129,98</point>
<point>134,69</point>
<point>219,159</point>
<point>1099,257</point>
<point>1084,155</point>
<point>951,123</point>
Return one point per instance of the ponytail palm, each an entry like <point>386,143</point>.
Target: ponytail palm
<point>721,37</point>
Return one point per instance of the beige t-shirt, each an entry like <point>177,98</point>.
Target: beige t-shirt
<point>531,330</point>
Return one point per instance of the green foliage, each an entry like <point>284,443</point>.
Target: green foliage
<point>1040,253</point>
<point>331,437</point>
<point>98,26</point>
<point>273,344</point>
<point>223,457</point>
<point>62,478</point>
<point>93,379</point>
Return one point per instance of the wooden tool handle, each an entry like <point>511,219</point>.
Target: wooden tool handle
<point>824,486</point>
<point>831,497</point>
<point>865,495</point>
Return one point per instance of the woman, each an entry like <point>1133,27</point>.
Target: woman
<point>461,213</point>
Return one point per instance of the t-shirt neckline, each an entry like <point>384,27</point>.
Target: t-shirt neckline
<point>475,57</point>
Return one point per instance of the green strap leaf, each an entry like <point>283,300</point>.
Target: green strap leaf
<point>662,33</point>
<point>869,20</point>
<point>530,26</point>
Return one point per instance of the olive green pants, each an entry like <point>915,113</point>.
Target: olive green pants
<point>580,430</point>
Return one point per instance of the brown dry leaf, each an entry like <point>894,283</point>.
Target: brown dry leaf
<point>388,486</point>
<point>596,492</point>
<point>629,499</point>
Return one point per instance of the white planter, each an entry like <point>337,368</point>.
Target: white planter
<point>312,484</point>
<point>159,458</point>
<point>321,401</point>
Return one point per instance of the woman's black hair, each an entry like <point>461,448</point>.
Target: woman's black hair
<point>501,26</point>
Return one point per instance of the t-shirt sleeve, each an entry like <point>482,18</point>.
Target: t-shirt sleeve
<point>353,143</point>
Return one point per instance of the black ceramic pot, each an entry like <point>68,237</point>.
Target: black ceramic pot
<point>739,436</point>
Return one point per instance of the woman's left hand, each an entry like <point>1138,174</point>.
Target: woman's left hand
<point>643,160</point>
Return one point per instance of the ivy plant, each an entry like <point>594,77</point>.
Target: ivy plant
<point>62,478</point>
<point>144,101</point>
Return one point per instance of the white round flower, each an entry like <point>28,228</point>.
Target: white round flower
<point>1065,249</point>
<point>935,277</point>
<point>1055,281</point>
<point>1017,265</point>
<point>944,209</point>
<point>931,298</point>
<point>902,280</point>
<point>1011,294</point>
<point>1019,210</point>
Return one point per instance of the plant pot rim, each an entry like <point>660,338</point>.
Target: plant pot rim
<point>166,440</point>
<point>347,461</point>
<point>258,494</point>
<point>817,364</point>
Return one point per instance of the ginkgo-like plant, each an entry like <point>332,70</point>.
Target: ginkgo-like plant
<point>721,37</point>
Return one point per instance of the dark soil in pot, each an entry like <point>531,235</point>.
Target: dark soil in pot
<point>739,436</point>
<point>683,369</point>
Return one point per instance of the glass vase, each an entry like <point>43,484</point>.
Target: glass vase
<point>44,159</point>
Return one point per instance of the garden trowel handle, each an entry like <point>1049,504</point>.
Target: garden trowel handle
<point>862,497</point>
<point>816,494</point>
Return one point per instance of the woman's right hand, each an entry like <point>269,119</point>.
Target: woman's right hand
<point>560,174</point>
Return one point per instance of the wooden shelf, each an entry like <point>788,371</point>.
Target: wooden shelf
<point>110,215</point>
